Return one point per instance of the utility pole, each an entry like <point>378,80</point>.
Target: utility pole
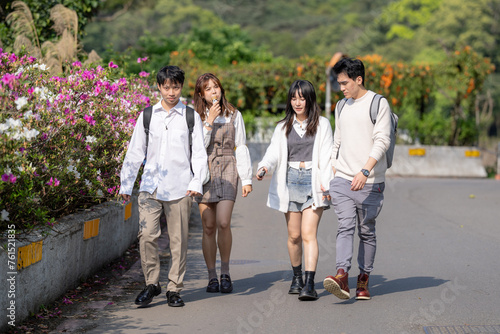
<point>328,97</point>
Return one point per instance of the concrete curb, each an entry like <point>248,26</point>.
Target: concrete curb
<point>59,259</point>
<point>437,161</point>
<point>38,268</point>
<point>421,161</point>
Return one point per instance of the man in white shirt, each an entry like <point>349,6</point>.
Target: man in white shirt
<point>359,165</point>
<point>172,176</point>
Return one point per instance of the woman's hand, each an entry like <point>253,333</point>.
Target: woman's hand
<point>213,113</point>
<point>245,190</point>
<point>192,193</point>
<point>259,174</point>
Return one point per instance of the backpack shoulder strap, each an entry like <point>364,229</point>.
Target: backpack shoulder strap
<point>190,123</point>
<point>146,120</point>
<point>340,106</point>
<point>374,107</point>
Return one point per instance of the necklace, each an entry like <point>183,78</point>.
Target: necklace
<point>167,119</point>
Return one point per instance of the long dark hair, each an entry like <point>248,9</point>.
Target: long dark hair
<point>305,90</point>
<point>200,104</point>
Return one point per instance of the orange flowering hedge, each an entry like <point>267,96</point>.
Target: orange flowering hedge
<point>435,102</point>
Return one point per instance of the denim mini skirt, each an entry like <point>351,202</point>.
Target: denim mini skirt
<point>299,186</point>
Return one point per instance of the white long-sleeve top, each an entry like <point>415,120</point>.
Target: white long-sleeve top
<point>242,154</point>
<point>356,138</point>
<point>167,166</point>
<point>276,159</point>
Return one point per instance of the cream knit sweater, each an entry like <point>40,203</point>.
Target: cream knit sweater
<point>356,138</point>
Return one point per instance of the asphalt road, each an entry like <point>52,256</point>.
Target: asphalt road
<point>437,265</point>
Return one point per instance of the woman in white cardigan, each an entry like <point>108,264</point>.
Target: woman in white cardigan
<point>299,157</point>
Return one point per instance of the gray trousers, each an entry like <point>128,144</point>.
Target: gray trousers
<point>359,208</point>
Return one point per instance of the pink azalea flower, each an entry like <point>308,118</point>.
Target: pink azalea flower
<point>112,65</point>
<point>88,148</point>
<point>5,177</point>
<point>77,64</point>
<point>53,182</point>
<point>89,119</point>
<point>144,74</point>
<point>139,60</point>
<point>13,178</point>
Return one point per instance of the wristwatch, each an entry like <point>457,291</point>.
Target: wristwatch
<point>208,125</point>
<point>365,172</point>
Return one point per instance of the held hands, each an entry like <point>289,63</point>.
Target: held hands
<point>260,174</point>
<point>192,193</point>
<point>245,190</point>
<point>326,194</point>
<point>125,198</point>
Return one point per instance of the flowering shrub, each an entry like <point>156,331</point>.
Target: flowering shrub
<point>63,139</point>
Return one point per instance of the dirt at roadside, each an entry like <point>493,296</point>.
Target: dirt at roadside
<point>78,309</point>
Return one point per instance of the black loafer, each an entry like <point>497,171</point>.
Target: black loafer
<point>174,299</point>
<point>213,285</point>
<point>226,286</point>
<point>147,295</point>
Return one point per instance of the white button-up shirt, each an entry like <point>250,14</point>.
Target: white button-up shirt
<point>242,154</point>
<point>167,165</point>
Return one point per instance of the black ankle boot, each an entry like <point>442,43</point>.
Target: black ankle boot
<point>297,285</point>
<point>308,292</point>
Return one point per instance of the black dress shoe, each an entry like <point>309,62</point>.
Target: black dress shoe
<point>174,299</point>
<point>297,285</point>
<point>226,285</point>
<point>213,285</point>
<point>147,295</point>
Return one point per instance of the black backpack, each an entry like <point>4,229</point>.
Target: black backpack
<point>374,108</point>
<point>148,111</point>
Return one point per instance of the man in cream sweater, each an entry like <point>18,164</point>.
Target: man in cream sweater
<point>359,165</point>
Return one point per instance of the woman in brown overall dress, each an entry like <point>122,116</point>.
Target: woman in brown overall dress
<point>228,158</point>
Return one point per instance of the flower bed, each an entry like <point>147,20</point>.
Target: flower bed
<point>63,139</point>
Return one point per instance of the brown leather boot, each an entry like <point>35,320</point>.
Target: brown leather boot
<point>362,287</point>
<point>338,285</point>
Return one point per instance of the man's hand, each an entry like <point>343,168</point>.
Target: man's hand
<point>192,193</point>
<point>358,182</point>
<point>245,190</point>
<point>125,198</point>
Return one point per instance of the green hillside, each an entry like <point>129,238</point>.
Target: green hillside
<point>408,30</point>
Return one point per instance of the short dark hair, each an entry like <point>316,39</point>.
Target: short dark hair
<point>352,67</point>
<point>172,73</point>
